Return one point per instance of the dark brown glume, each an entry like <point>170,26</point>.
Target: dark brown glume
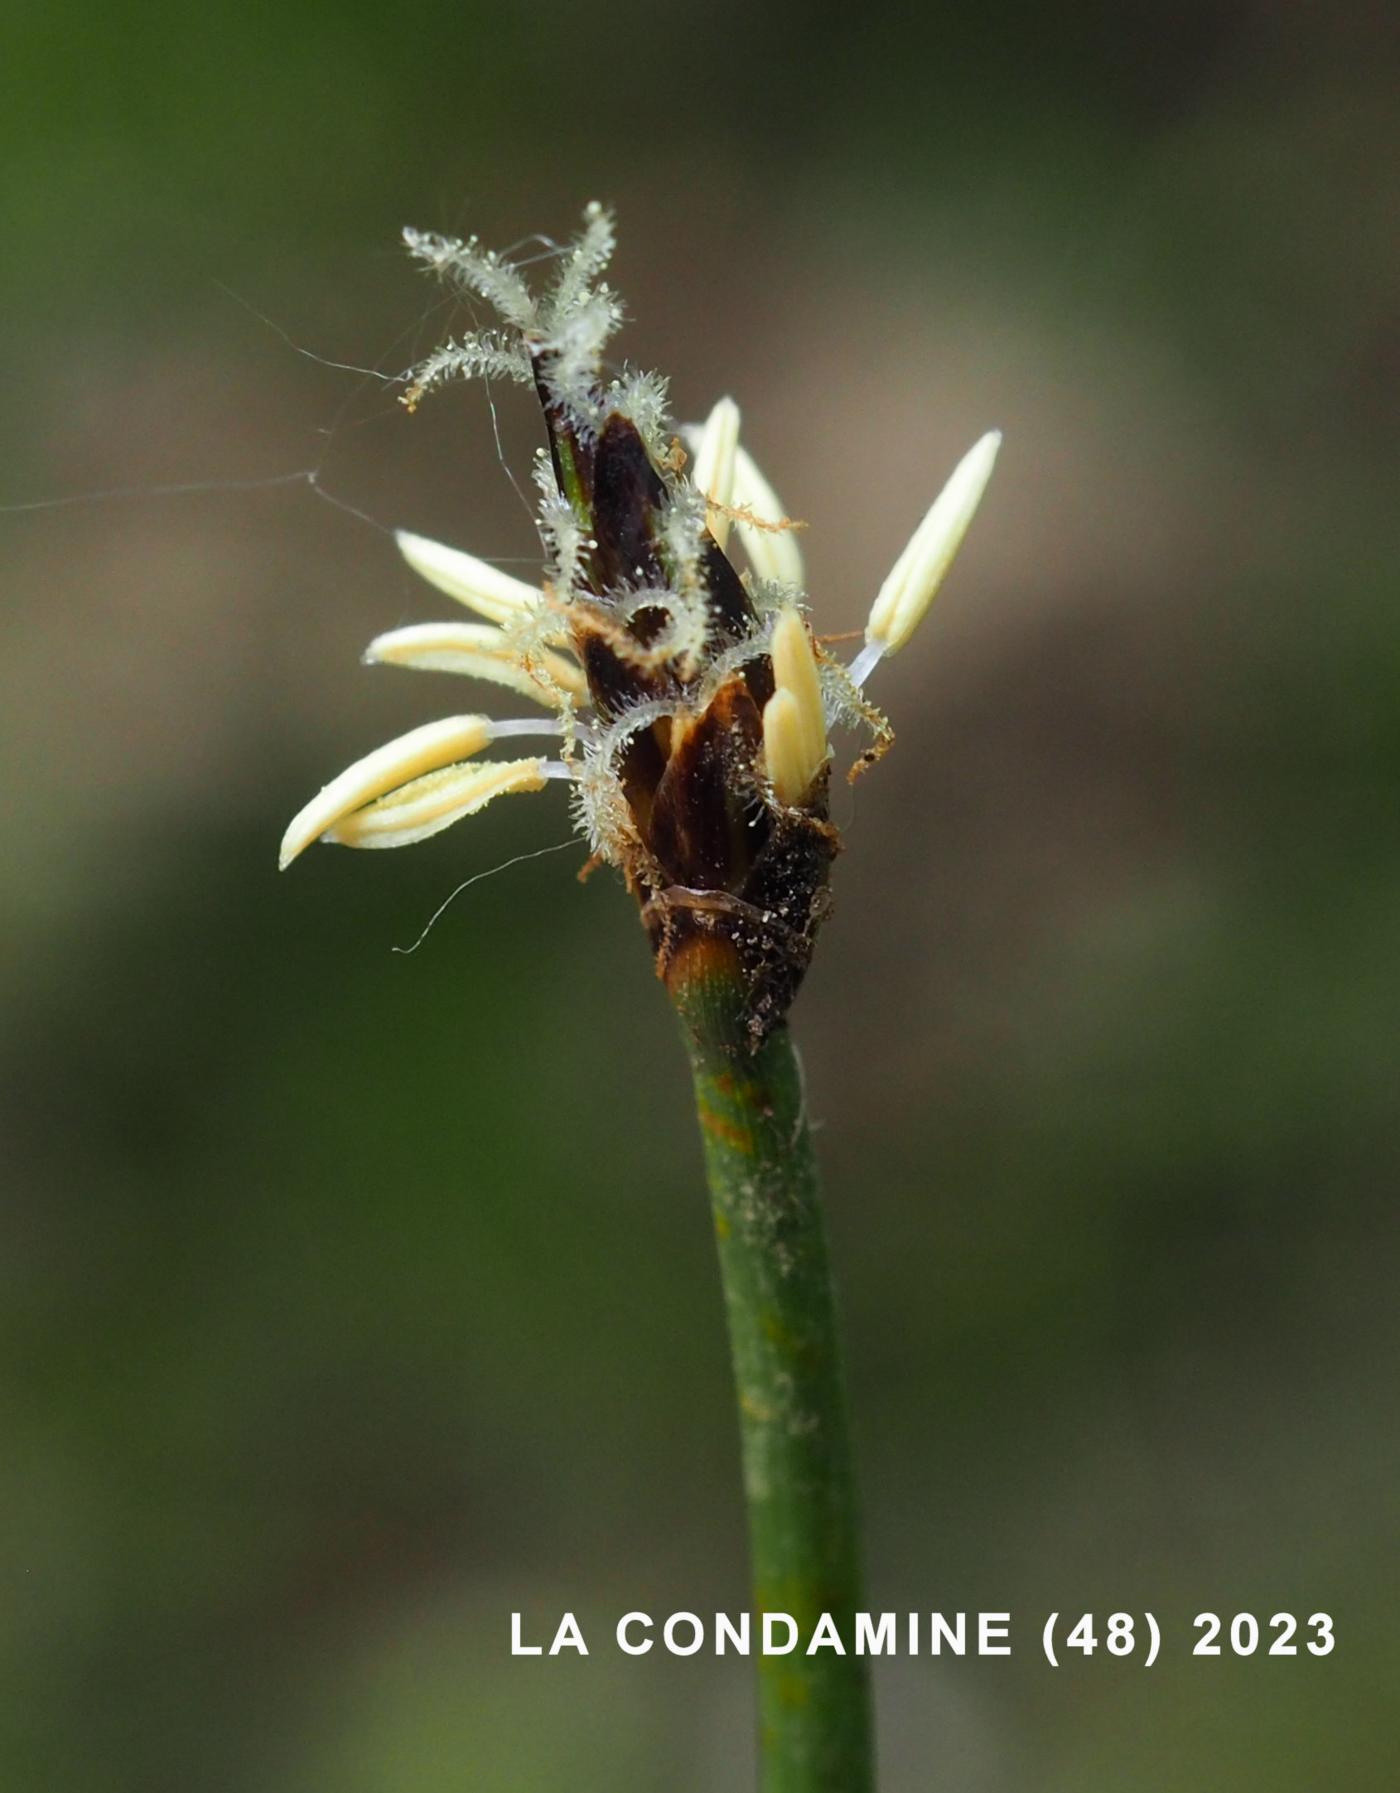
<point>719,863</point>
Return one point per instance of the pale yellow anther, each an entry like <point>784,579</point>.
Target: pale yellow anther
<point>784,750</point>
<point>497,596</point>
<point>917,574</point>
<point>479,651</point>
<point>429,804</point>
<point>796,749</point>
<point>715,457</point>
<point>795,670</point>
<point>773,553</point>
<point>425,749</point>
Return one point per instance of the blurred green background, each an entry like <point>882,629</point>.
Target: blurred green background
<point>351,1302</point>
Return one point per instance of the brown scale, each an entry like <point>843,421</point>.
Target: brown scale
<point>720,862</point>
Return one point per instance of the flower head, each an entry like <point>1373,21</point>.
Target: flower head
<point>688,703</point>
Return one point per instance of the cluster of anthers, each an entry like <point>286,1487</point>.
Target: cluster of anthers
<point>690,704</point>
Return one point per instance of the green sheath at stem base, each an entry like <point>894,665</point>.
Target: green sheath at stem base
<point>814,1711</point>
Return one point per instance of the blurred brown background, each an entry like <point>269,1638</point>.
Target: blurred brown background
<point>351,1302</point>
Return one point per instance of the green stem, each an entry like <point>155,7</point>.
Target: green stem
<point>814,1711</point>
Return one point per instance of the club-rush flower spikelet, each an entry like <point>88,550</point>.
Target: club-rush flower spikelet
<point>689,703</point>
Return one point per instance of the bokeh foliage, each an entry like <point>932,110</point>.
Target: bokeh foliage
<point>353,1301</point>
